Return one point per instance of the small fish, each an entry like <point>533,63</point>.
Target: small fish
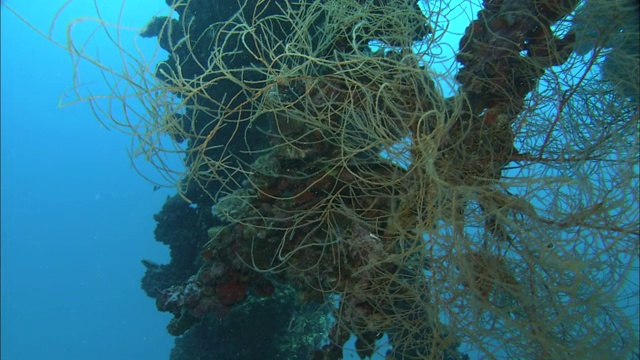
<point>150,264</point>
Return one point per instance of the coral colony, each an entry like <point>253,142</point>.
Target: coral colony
<point>336,196</point>
<point>304,236</point>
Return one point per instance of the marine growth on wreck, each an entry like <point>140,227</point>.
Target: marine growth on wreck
<point>334,189</point>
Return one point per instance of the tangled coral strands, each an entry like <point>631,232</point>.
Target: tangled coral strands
<point>507,229</point>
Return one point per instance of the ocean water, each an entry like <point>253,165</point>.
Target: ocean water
<point>76,217</point>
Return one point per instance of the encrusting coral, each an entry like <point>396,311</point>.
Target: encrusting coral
<point>503,220</point>
<point>431,254</point>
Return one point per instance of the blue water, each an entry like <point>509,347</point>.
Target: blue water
<point>76,218</point>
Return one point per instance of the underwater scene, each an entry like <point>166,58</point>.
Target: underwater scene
<point>320,179</point>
